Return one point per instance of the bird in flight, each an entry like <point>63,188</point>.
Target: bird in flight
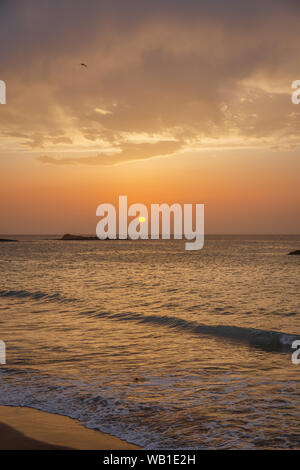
<point>84,65</point>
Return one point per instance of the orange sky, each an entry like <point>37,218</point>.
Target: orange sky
<point>190,103</point>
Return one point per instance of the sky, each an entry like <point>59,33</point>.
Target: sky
<point>181,101</point>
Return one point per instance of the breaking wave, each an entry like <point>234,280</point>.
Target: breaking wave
<point>266,339</point>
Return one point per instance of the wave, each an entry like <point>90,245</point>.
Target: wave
<point>265,339</point>
<point>38,295</point>
<point>65,397</point>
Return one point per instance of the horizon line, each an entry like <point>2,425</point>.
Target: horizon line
<point>172,234</point>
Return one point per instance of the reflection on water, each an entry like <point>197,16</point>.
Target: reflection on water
<point>164,347</point>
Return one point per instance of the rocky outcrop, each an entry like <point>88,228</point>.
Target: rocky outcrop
<point>68,236</point>
<point>296,252</point>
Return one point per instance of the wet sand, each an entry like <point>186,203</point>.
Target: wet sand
<point>26,428</point>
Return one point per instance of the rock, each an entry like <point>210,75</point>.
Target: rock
<point>68,236</point>
<point>296,252</point>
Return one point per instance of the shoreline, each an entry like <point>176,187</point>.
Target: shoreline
<point>23,428</point>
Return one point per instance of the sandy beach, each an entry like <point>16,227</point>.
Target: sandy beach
<point>29,429</point>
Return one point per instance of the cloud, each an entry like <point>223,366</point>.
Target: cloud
<point>192,70</point>
<point>129,152</point>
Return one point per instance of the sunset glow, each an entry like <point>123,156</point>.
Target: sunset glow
<point>149,230</point>
<point>157,115</point>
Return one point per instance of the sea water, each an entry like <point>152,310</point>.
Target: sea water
<point>159,346</point>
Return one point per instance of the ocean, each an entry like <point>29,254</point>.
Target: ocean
<point>166,348</point>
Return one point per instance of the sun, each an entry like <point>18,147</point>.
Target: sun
<point>142,220</point>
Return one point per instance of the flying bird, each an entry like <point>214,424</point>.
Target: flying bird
<point>84,65</point>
